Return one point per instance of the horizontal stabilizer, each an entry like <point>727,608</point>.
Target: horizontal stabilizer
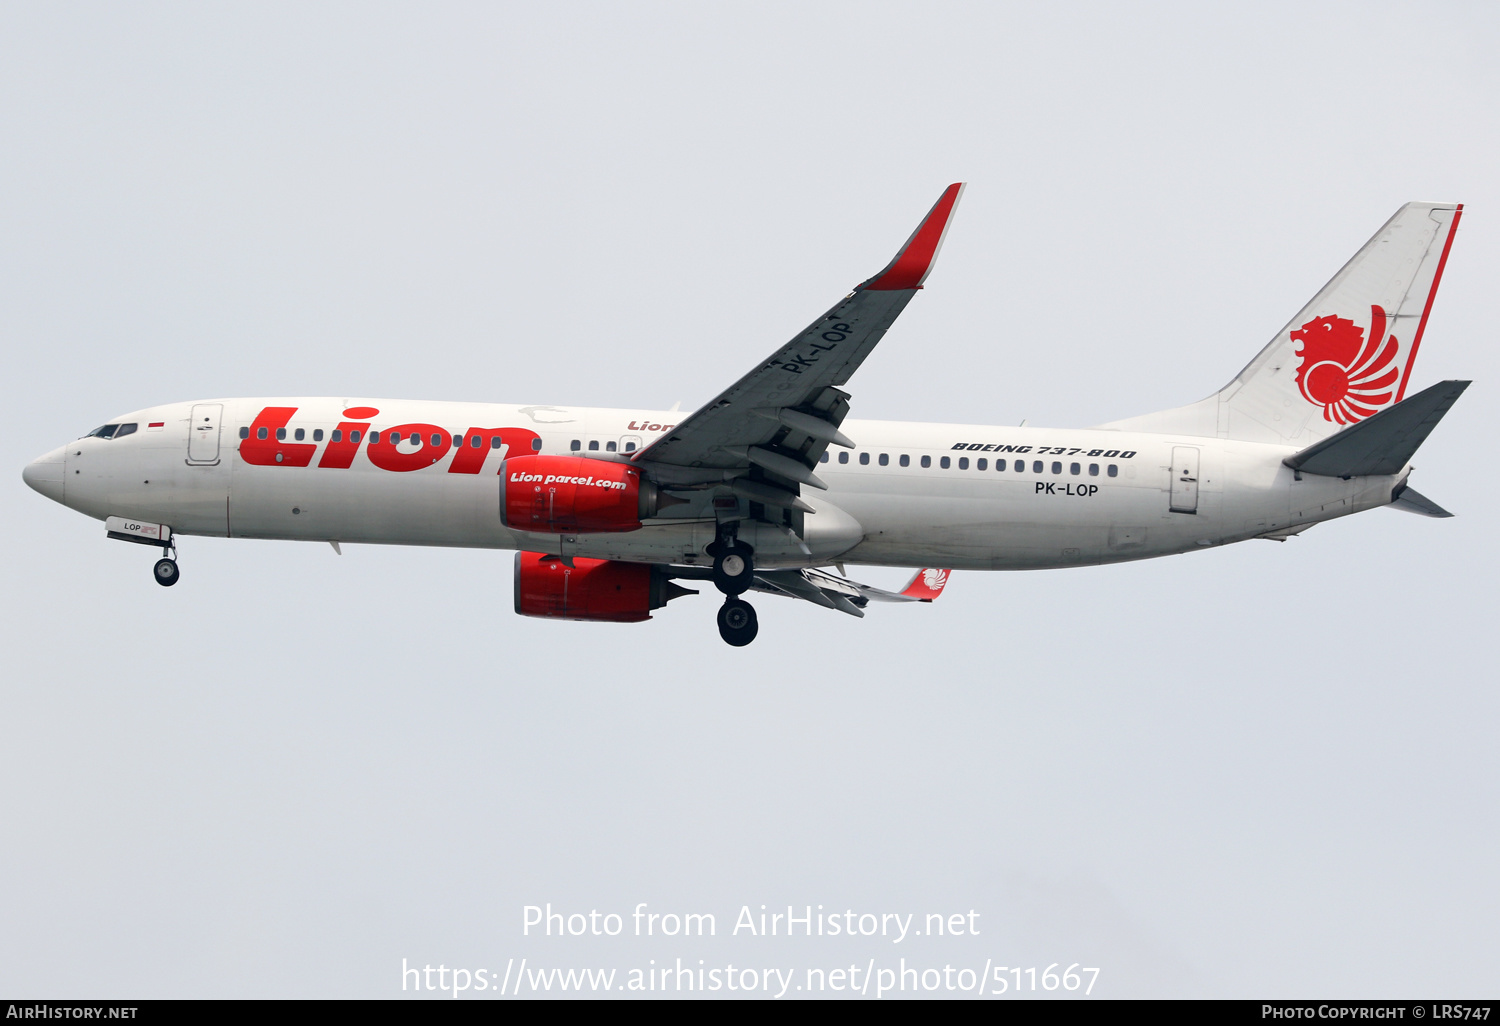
<point>1413,501</point>
<point>1384,443</point>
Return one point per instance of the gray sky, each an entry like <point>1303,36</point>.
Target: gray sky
<point>1261,770</point>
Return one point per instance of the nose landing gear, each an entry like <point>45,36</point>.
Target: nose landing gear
<point>165,571</point>
<point>737,622</point>
<point>142,533</point>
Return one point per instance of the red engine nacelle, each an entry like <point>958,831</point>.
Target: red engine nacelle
<point>604,590</point>
<point>553,494</point>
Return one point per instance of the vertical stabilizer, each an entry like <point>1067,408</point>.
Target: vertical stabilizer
<point>1347,355</point>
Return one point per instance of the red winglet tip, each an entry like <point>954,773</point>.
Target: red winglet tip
<point>927,584</point>
<point>914,262</point>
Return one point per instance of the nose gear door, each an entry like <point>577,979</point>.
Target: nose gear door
<point>1184,479</point>
<point>203,434</point>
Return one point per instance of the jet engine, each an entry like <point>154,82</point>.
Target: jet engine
<point>574,495</point>
<point>603,590</point>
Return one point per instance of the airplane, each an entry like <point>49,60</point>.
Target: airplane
<point>771,488</point>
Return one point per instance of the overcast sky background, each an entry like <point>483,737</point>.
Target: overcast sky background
<point>1261,770</point>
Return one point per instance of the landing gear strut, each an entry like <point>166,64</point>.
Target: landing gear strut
<point>737,622</point>
<point>165,570</point>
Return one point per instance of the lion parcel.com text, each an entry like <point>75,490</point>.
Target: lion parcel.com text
<point>754,970</point>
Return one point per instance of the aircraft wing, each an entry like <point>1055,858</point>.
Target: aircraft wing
<point>774,424</point>
<point>834,592</point>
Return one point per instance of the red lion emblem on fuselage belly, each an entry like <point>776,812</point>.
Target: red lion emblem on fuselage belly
<point>1341,371</point>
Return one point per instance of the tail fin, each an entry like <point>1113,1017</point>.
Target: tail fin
<point>1347,355</point>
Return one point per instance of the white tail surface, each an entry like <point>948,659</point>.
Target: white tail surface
<point>1347,355</point>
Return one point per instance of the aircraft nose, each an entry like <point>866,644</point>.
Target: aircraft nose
<point>45,473</point>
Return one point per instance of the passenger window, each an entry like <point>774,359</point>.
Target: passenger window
<point>926,462</point>
<point>843,457</point>
<point>437,440</point>
<point>963,463</point>
<point>1020,465</point>
<point>885,459</point>
<point>945,463</point>
<point>576,445</point>
<point>301,434</point>
<point>458,441</point>
<point>281,434</point>
<point>475,441</point>
<point>824,457</point>
<point>609,446</point>
<point>1056,467</point>
<point>495,442</point>
<point>982,464</point>
<point>905,460</point>
<point>1036,466</point>
<point>1093,470</point>
<point>338,436</point>
<point>415,439</point>
<point>317,434</point>
<point>536,444</point>
<point>1074,469</point>
<point>374,437</point>
<point>594,445</point>
<point>864,459</point>
<point>262,434</point>
<point>354,437</point>
<point>629,446</point>
<point>1114,471</point>
<point>244,432</point>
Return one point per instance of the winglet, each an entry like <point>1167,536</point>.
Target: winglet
<point>926,585</point>
<point>912,264</point>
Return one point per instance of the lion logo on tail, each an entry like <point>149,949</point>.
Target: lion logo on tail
<point>1350,376</point>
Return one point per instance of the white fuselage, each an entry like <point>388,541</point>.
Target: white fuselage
<point>1065,498</point>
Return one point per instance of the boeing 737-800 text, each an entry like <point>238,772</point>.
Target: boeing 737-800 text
<point>770,484</point>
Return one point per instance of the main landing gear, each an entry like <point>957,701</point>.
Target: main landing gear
<point>734,569</point>
<point>737,622</point>
<point>733,573</point>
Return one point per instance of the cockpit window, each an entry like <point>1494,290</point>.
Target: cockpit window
<point>125,429</point>
<point>107,431</point>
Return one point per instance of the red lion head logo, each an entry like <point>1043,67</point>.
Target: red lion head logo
<point>1341,371</point>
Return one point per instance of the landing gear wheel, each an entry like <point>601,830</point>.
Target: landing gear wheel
<point>737,622</point>
<point>165,572</point>
<point>734,570</point>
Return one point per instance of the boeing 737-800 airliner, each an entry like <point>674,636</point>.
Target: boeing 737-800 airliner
<point>769,485</point>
